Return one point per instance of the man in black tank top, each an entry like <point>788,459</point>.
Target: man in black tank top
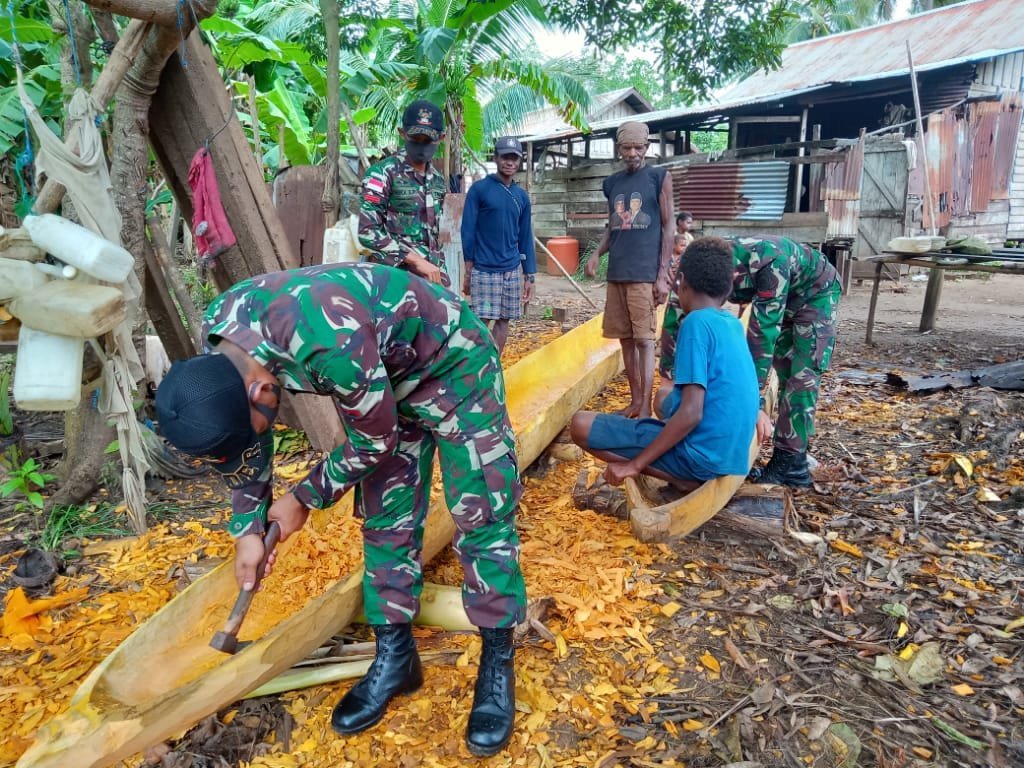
<point>638,241</point>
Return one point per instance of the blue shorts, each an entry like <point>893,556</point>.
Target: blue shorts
<point>627,437</point>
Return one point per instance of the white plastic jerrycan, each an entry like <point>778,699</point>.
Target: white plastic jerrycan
<point>74,244</point>
<point>47,371</point>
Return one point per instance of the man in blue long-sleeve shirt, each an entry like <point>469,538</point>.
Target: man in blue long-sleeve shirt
<point>497,243</point>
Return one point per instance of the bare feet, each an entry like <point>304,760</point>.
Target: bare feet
<point>631,411</point>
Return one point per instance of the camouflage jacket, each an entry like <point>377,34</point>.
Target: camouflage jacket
<point>777,276</point>
<point>401,212</point>
<point>386,345</point>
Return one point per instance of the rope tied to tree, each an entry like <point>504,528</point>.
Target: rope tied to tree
<point>179,8</point>
<point>74,43</point>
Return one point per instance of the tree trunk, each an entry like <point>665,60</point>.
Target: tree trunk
<point>86,432</point>
<point>330,202</point>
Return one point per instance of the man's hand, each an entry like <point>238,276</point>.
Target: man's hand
<point>423,267</point>
<point>660,290</point>
<point>617,471</point>
<point>289,513</point>
<point>528,287</point>
<point>764,427</point>
<point>467,270</point>
<point>249,550</point>
<point>590,268</point>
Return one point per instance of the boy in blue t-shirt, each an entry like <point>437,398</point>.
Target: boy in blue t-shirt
<point>711,408</point>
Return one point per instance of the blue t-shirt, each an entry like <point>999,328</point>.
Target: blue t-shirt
<point>712,351</point>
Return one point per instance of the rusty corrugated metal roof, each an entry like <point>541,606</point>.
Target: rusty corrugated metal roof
<point>746,191</point>
<point>941,39</point>
<point>970,31</point>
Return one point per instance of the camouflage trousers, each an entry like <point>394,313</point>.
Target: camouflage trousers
<point>802,355</point>
<point>482,489</point>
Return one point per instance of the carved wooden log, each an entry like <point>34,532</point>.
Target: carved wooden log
<point>165,677</point>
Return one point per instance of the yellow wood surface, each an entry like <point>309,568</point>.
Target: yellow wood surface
<point>165,677</point>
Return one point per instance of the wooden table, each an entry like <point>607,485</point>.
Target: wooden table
<point>1005,261</point>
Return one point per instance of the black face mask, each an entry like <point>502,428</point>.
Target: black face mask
<point>266,410</point>
<point>418,152</point>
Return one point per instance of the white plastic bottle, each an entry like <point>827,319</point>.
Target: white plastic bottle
<point>47,371</point>
<point>74,244</point>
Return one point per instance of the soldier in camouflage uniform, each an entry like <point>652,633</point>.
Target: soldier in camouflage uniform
<point>794,293</point>
<point>410,369</point>
<point>673,312</point>
<point>400,213</point>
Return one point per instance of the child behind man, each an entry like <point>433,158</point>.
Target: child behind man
<point>711,406</point>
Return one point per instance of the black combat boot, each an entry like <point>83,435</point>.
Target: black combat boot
<point>784,468</point>
<point>494,701</point>
<point>395,670</point>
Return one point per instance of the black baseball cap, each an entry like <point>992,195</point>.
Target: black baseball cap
<point>508,145</point>
<point>423,118</point>
<point>203,410</point>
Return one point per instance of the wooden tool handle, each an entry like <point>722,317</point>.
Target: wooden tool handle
<point>234,622</point>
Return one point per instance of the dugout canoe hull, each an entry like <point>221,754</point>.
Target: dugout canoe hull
<point>141,693</point>
<point>652,522</point>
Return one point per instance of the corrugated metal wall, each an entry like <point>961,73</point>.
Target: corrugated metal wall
<point>970,150</point>
<point>841,192</point>
<point>745,191</point>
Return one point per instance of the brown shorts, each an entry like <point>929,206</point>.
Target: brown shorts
<point>630,312</point>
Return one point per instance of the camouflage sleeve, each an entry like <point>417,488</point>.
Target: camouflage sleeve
<point>369,412</point>
<point>373,232</point>
<point>768,307</point>
<point>249,504</point>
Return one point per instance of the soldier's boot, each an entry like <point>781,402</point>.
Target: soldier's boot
<point>784,468</point>
<point>395,670</point>
<point>494,700</point>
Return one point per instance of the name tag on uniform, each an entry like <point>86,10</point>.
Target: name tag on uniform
<point>429,202</point>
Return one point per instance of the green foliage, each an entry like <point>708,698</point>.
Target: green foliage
<point>702,43</point>
<point>74,522</point>
<point>602,266</point>
<point>25,480</point>
<point>202,291</point>
<point>288,442</point>
<point>6,418</point>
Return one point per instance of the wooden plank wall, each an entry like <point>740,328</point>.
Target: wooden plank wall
<point>569,201</point>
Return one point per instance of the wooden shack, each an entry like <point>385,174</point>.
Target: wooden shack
<point>824,149</point>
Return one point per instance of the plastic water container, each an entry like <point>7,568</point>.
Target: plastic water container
<point>339,245</point>
<point>80,247</point>
<point>19,277</point>
<point>47,371</point>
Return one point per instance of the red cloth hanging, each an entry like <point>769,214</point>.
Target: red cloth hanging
<point>210,226</point>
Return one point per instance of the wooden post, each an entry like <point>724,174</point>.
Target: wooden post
<point>529,166</point>
<point>188,107</point>
<point>934,291</point>
<point>870,330</point>
<point>799,181</point>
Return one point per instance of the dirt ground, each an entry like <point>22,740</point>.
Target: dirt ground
<point>882,629</point>
<point>980,319</point>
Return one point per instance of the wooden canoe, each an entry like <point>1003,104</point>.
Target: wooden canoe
<point>651,521</point>
<point>164,677</point>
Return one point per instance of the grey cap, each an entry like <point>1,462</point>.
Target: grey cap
<point>508,145</point>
